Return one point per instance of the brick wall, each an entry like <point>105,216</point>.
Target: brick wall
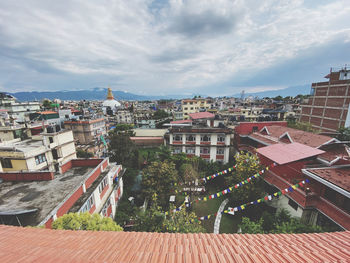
<point>27,176</point>
<point>70,202</point>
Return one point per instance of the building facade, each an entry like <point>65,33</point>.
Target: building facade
<point>47,151</point>
<point>193,106</point>
<point>211,144</point>
<point>328,107</point>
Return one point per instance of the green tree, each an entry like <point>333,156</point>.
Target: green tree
<point>251,227</point>
<point>46,104</point>
<point>123,128</point>
<point>164,153</point>
<point>85,221</point>
<point>159,178</point>
<point>182,222</point>
<point>84,154</point>
<point>122,150</point>
<point>304,126</point>
<point>295,226</point>
<point>246,166</point>
<point>152,219</point>
<point>160,114</point>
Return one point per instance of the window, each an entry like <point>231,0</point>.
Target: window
<point>190,150</point>
<point>191,108</point>
<point>255,128</point>
<point>293,204</point>
<point>178,137</point>
<point>88,204</point>
<point>205,138</point>
<point>40,159</point>
<point>220,151</point>
<point>105,207</point>
<point>190,138</point>
<point>177,150</point>
<point>6,163</point>
<point>51,139</point>
<point>221,138</point>
<point>185,108</point>
<point>102,185</point>
<point>204,150</point>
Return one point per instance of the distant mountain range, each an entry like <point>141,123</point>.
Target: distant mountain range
<point>290,91</point>
<point>88,94</point>
<point>101,93</point>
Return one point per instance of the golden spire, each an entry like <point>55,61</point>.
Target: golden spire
<point>110,94</point>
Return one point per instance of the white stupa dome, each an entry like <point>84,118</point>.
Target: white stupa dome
<point>110,101</point>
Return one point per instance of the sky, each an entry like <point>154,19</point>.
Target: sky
<point>164,47</point>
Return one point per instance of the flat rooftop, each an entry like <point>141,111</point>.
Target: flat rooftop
<point>42,195</point>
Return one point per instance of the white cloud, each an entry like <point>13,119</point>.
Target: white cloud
<point>182,47</point>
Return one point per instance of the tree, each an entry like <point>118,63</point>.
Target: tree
<point>295,226</point>
<point>182,222</point>
<point>123,128</point>
<point>85,221</point>
<point>164,153</point>
<point>46,104</point>
<point>152,219</point>
<point>123,150</point>
<point>246,166</point>
<point>159,178</point>
<point>251,227</point>
<point>160,114</point>
<point>304,126</point>
<point>84,154</point>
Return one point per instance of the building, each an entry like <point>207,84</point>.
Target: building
<point>17,110</point>
<point>328,107</point>
<point>87,130</point>
<point>92,185</point>
<point>193,106</point>
<point>16,244</point>
<point>201,136</point>
<point>323,160</point>
<point>47,151</point>
<point>110,105</point>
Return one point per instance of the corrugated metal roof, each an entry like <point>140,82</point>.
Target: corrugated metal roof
<point>287,153</point>
<point>44,245</point>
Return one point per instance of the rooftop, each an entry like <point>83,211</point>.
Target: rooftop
<point>287,153</point>
<point>99,246</point>
<point>41,195</point>
<point>338,175</point>
<point>201,115</point>
<point>307,138</point>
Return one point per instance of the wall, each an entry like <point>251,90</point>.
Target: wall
<point>27,176</point>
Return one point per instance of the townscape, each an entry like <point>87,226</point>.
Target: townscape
<point>174,131</point>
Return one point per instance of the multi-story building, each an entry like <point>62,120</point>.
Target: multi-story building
<point>194,106</point>
<point>17,110</point>
<point>301,155</point>
<point>328,107</point>
<point>47,151</point>
<point>123,116</point>
<point>203,137</point>
<point>87,131</point>
<point>40,197</point>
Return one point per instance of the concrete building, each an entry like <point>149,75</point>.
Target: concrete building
<point>328,107</point>
<point>39,198</point>
<point>47,151</point>
<point>201,136</point>
<point>87,131</point>
<point>194,106</point>
<point>17,110</point>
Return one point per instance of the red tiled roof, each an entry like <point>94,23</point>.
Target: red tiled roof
<point>334,151</point>
<point>303,137</point>
<point>44,245</point>
<point>201,115</point>
<point>180,121</point>
<point>287,153</point>
<point>339,176</point>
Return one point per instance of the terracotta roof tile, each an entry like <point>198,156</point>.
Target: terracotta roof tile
<point>85,246</point>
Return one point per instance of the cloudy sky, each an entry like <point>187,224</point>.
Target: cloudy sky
<point>160,47</point>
